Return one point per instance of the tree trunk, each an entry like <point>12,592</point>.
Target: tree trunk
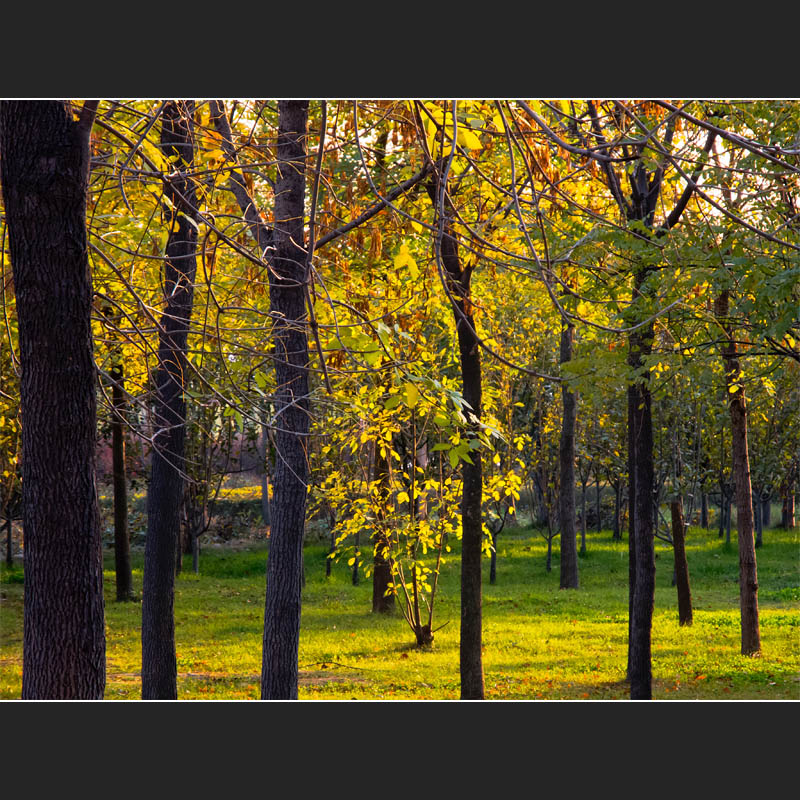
<point>382,602</point>
<point>642,566</point>
<point>598,505</point>
<point>9,554</point>
<point>287,303</point>
<point>617,536</point>
<point>122,547</point>
<point>755,499</point>
<point>472,687</point>
<point>493,561</point>
<point>566,454</point>
<point>165,492</point>
<point>45,163</point>
<point>583,518</point>
<point>766,510</point>
<point>681,564</point>
<point>748,576</point>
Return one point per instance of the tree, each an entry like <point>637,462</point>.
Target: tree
<point>165,492</point>
<point>45,171</point>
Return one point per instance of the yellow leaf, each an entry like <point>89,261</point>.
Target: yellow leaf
<point>412,395</point>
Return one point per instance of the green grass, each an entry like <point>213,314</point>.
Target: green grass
<point>539,642</point>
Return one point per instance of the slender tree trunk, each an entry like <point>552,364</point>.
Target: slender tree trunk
<point>9,553</point>
<point>472,687</point>
<point>165,492</point>
<point>597,505</point>
<point>704,510</point>
<point>748,576</point>
<point>766,510</point>
<point>681,564</point>
<point>382,602</point>
<point>122,548</point>
<point>44,174</point>
<point>617,536</point>
<point>566,454</point>
<point>287,278</point>
<point>493,561</point>
<point>755,499</point>
<point>583,518</point>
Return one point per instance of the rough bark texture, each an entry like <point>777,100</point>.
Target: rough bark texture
<point>566,455</point>
<point>681,564</point>
<point>45,158</point>
<point>748,576</point>
<point>287,304</point>
<point>642,556</point>
<point>165,492</point>
<point>122,548</point>
<point>472,687</point>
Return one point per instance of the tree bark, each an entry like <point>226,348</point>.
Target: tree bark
<point>681,564</point>
<point>122,548</point>
<point>165,492</point>
<point>287,279</point>
<point>471,659</point>
<point>642,555</point>
<point>44,174</point>
<point>566,453</point>
<point>748,575</point>
<point>382,564</point>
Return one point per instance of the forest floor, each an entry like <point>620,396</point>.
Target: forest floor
<point>539,642</point>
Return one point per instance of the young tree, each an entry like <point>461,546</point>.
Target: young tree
<point>45,169</point>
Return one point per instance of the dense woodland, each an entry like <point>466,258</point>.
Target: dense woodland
<point>412,323</point>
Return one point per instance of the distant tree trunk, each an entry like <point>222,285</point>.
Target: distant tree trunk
<point>704,510</point>
<point>597,504</point>
<point>755,499</point>
<point>617,536</point>
<point>165,492</point>
<point>44,173</point>
<point>566,454</point>
<point>493,559</point>
<point>748,577</point>
<point>382,602</point>
<point>766,510</point>
<point>9,553</point>
<point>263,472</point>
<point>583,518</point>
<point>681,564</point>
<point>122,548</point>
<point>354,577</point>
<point>287,280</point>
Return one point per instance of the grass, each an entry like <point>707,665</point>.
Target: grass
<point>539,642</point>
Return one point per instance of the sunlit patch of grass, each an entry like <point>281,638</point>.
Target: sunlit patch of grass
<point>539,642</point>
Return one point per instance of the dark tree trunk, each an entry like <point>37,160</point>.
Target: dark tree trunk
<point>9,554</point>
<point>598,505</point>
<point>45,163</point>
<point>748,576</point>
<point>493,560</point>
<point>566,454</point>
<point>122,548</point>
<point>382,602</point>
<point>617,510</point>
<point>583,518</point>
<point>287,303</point>
<point>642,559</point>
<point>165,492</point>
<point>681,564</point>
<point>472,686</point>
<point>755,499</point>
<point>704,510</point>
<point>357,557</point>
<point>766,510</point>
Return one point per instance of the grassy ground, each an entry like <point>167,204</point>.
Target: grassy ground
<point>539,642</point>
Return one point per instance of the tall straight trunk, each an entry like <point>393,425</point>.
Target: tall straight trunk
<point>748,575</point>
<point>9,554</point>
<point>122,547</point>
<point>382,565</point>
<point>642,556</point>
<point>287,281</point>
<point>617,535</point>
<point>681,564</point>
<point>766,510</point>
<point>165,492</point>
<point>583,518</point>
<point>566,455</point>
<point>44,174</point>
<point>471,659</point>
<point>597,504</point>
<point>755,499</point>
<point>704,510</point>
